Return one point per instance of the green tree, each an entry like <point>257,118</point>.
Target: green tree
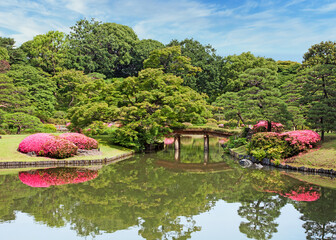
<point>170,60</point>
<point>321,53</point>
<point>21,121</point>
<point>4,54</point>
<point>16,55</point>
<point>40,89</point>
<point>12,98</point>
<point>151,104</point>
<point>101,47</point>
<point>319,94</point>
<point>209,80</point>
<point>47,51</point>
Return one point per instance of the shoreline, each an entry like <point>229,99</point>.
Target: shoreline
<point>65,163</point>
<point>268,162</point>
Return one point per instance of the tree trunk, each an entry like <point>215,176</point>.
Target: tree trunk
<point>322,135</point>
<point>269,126</point>
<point>18,130</point>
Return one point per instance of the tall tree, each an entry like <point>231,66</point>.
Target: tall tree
<point>16,55</point>
<point>209,80</point>
<point>320,85</point>
<point>319,94</point>
<point>101,47</point>
<point>47,51</point>
<point>40,89</point>
<point>170,60</point>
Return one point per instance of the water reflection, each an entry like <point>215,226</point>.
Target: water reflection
<point>56,176</point>
<point>163,204</point>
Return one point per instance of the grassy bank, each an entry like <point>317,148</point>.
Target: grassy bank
<point>10,143</point>
<point>325,157</point>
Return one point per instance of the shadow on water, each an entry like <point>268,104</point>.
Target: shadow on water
<point>149,192</point>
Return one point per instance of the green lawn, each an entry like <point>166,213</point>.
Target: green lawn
<point>325,157</point>
<point>10,143</point>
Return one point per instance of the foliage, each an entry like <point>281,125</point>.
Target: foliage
<point>49,127</point>
<point>234,143</point>
<point>262,126</point>
<point>210,80</point>
<point>12,98</point>
<point>40,89</point>
<point>170,60</point>
<point>47,51</point>
<point>16,55</point>
<point>319,95</point>
<point>101,47</point>
<point>35,142</point>
<point>281,145</point>
<point>58,148</point>
<point>152,104</point>
<point>56,176</point>
<point>21,121</point>
<point>4,66</point>
<point>80,140</point>
<point>321,53</point>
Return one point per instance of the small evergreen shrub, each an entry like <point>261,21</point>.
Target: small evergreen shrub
<point>49,128</point>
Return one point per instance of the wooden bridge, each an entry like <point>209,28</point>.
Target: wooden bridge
<point>205,132</point>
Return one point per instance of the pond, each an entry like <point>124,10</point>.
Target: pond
<point>159,196</point>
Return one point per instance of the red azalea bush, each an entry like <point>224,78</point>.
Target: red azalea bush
<point>80,140</point>
<point>262,126</point>
<point>35,142</point>
<point>56,176</point>
<point>58,148</point>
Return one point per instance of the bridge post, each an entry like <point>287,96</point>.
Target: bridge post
<point>177,142</point>
<point>206,149</point>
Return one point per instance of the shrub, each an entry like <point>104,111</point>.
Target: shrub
<point>302,139</point>
<point>58,148</point>
<point>80,140</point>
<point>49,128</point>
<point>2,132</point>
<point>234,143</point>
<point>262,126</point>
<point>276,145</point>
<point>211,120</point>
<point>35,142</point>
<point>96,128</point>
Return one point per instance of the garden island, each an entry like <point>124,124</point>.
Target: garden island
<point>100,94</point>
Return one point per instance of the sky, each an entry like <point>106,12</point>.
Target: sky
<point>278,29</point>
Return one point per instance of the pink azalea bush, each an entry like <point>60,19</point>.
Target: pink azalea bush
<point>56,176</point>
<point>303,195</point>
<point>80,140</point>
<point>35,142</point>
<point>302,139</point>
<point>282,145</point>
<point>262,126</point>
<point>58,148</point>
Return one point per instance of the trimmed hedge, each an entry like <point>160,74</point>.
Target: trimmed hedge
<point>80,140</point>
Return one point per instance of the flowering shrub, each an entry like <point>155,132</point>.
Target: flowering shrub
<point>35,142</point>
<point>56,176</point>
<point>58,148</point>
<point>80,140</point>
<point>302,139</point>
<point>276,145</point>
<point>261,126</point>
<point>168,141</point>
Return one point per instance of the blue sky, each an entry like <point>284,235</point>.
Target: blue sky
<point>283,30</point>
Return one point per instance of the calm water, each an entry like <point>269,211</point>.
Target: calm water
<point>164,196</point>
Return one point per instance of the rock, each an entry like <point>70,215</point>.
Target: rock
<point>83,152</point>
<point>257,166</point>
<point>245,163</point>
<point>266,161</point>
<point>31,154</point>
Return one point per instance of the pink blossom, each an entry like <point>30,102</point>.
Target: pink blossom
<point>168,141</point>
<point>35,142</point>
<point>68,124</point>
<point>80,140</point>
<point>262,126</point>
<point>303,139</point>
